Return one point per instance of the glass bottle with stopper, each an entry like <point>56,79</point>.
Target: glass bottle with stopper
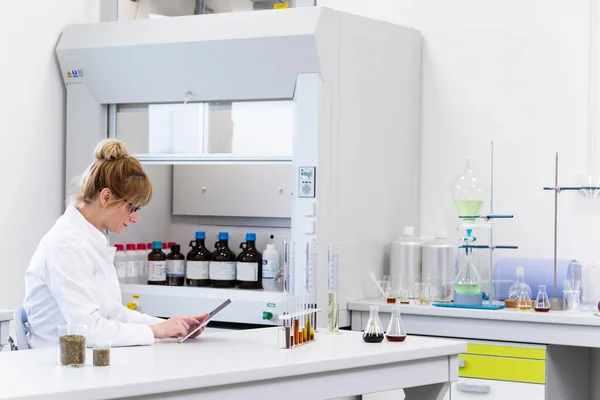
<point>395,331</point>
<point>468,193</point>
<point>516,291</point>
<point>374,330</point>
<point>467,285</point>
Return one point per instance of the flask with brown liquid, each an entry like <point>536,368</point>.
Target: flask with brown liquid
<point>249,264</point>
<point>175,267</point>
<point>395,331</point>
<point>222,264</point>
<point>198,260</point>
<point>374,330</point>
<point>157,265</point>
<point>542,303</point>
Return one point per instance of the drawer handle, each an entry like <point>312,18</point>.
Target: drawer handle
<point>463,387</point>
<point>461,363</point>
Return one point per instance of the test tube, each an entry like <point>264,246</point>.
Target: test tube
<point>333,282</point>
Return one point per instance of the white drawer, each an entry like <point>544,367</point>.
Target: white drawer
<point>481,389</point>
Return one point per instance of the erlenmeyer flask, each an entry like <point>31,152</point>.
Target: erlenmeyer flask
<point>374,330</point>
<point>468,192</point>
<point>524,301</point>
<point>395,331</point>
<point>542,303</point>
<point>468,280</point>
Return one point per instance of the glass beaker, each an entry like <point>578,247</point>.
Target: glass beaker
<point>386,285</point>
<point>395,331</point>
<point>424,293</point>
<point>468,192</point>
<point>468,280</point>
<point>542,303</point>
<point>374,330</point>
<point>571,300</point>
<point>101,356</point>
<point>72,344</point>
<point>520,286</point>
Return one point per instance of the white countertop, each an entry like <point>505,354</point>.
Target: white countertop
<point>586,318</point>
<point>224,358</point>
<point>6,315</point>
<point>567,328</point>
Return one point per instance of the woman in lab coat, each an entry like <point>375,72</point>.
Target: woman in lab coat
<point>71,277</point>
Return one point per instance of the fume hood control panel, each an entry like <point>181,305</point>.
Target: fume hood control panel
<point>306,182</point>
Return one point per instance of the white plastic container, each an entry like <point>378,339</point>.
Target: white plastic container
<point>270,269</point>
<point>142,258</point>
<point>405,259</point>
<point>132,264</point>
<point>121,263</point>
<point>440,265</point>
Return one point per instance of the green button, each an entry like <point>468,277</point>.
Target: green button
<point>267,315</point>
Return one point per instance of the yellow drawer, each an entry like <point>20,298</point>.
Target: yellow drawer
<point>503,368</point>
<point>506,351</point>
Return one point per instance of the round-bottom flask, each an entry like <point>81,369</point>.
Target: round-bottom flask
<point>374,330</point>
<point>395,331</point>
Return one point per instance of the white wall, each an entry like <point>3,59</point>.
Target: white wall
<point>31,128</point>
<point>512,71</point>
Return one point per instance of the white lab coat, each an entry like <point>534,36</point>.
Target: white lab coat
<point>71,279</point>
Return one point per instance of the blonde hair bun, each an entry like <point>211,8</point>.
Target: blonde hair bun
<point>110,149</point>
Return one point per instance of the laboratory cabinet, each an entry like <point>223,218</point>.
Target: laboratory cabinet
<point>485,389</point>
<point>492,370</point>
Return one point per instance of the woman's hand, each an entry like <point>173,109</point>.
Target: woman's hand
<point>200,319</point>
<point>173,327</point>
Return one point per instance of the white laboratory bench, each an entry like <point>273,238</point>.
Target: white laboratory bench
<point>240,364</point>
<point>5,317</point>
<point>559,345</point>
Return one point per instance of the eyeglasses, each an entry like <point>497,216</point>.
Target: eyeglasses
<point>132,209</point>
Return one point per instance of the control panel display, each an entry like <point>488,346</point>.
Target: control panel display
<point>307,182</point>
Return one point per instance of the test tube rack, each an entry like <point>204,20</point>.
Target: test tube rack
<point>297,329</point>
<point>297,326</point>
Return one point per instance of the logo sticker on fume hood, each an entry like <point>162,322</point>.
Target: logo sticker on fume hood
<point>280,6</point>
<point>75,74</point>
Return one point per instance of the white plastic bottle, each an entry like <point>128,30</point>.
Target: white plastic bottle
<point>121,263</point>
<point>132,264</point>
<point>142,258</point>
<point>405,258</point>
<point>270,268</point>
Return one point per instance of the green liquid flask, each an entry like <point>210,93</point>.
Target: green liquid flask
<point>468,280</point>
<point>468,192</point>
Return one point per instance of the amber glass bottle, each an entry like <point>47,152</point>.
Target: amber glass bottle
<point>175,267</point>
<point>222,264</point>
<point>157,265</point>
<point>249,265</point>
<point>198,261</point>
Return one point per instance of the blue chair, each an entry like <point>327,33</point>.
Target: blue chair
<point>21,328</point>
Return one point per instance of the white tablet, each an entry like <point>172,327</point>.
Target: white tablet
<point>195,328</point>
